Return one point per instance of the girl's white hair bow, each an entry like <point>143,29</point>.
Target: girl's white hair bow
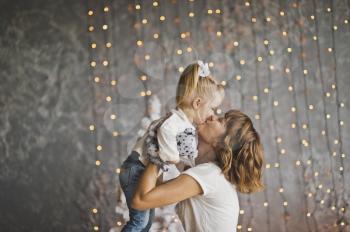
<point>203,70</point>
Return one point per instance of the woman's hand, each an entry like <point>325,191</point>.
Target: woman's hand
<point>148,195</point>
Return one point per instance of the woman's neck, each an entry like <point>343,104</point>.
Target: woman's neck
<point>206,152</point>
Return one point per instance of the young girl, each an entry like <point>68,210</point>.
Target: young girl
<point>172,138</point>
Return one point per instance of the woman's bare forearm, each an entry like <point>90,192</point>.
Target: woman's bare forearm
<point>148,195</point>
<point>148,180</point>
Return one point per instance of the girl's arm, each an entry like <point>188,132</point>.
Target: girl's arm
<point>148,195</point>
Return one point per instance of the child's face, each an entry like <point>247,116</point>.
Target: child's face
<point>206,109</point>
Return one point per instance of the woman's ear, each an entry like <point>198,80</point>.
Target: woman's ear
<point>196,103</point>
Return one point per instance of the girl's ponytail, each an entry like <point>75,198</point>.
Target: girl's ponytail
<point>192,85</point>
<point>187,84</point>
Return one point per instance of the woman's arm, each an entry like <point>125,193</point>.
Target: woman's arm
<point>148,195</point>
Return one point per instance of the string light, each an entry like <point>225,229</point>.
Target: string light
<point>91,28</point>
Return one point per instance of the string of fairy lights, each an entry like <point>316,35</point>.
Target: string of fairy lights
<point>100,78</point>
<point>289,72</point>
<point>259,116</point>
<point>315,192</point>
<point>339,138</point>
<point>92,127</point>
<point>258,99</point>
<point>308,109</point>
<point>140,31</point>
<point>275,103</point>
<point>320,77</point>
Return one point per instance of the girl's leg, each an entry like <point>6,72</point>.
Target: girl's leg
<point>129,176</point>
<point>150,221</point>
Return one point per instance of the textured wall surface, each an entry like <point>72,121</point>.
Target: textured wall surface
<point>76,80</point>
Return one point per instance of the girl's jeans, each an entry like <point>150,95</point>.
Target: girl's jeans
<point>130,174</point>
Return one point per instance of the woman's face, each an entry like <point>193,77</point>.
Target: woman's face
<point>212,130</point>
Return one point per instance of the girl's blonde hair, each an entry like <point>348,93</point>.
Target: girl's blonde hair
<point>191,85</point>
<point>240,154</point>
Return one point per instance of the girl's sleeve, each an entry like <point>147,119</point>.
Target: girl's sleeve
<point>166,136</point>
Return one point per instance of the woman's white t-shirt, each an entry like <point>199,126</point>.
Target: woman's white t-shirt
<point>216,209</point>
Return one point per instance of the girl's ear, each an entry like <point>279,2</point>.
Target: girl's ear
<point>196,103</point>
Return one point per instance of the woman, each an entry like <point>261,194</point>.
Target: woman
<point>230,159</point>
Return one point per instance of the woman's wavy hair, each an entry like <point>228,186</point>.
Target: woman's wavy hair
<point>240,154</point>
